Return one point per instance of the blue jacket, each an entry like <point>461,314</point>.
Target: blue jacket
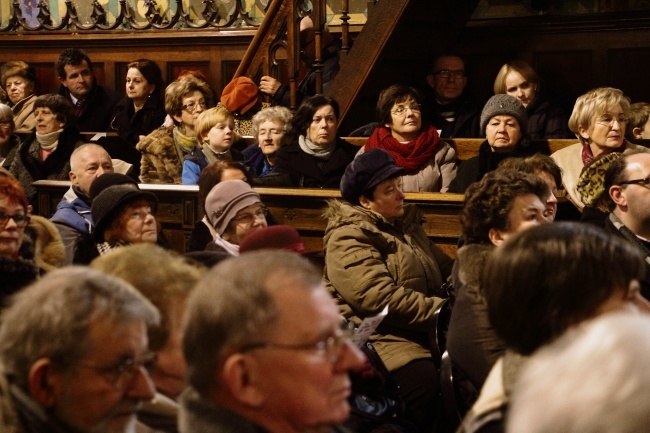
<point>74,212</point>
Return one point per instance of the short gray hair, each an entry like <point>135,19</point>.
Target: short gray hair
<point>277,114</point>
<point>593,379</point>
<point>51,318</point>
<point>233,303</point>
<point>7,114</point>
<point>75,153</point>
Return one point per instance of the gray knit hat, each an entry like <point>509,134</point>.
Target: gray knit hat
<point>504,104</point>
<point>227,198</point>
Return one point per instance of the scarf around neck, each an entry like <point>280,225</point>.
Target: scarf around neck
<point>412,155</point>
<point>214,156</point>
<point>184,143</point>
<point>588,154</point>
<point>320,152</point>
<point>49,141</point>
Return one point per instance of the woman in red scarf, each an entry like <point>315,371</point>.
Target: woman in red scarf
<point>430,164</point>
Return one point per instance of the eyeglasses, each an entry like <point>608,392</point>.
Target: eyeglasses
<point>642,182</point>
<point>122,375</point>
<point>331,347</point>
<point>446,73</point>
<point>250,218</point>
<point>608,120</point>
<point>21,220</point>
<point>193,106</point>
<point>400,110</point>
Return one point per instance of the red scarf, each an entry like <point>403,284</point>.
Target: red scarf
<point>411,156</point>
<point>588,155</point>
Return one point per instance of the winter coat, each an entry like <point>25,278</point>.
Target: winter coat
<point>199,415</point>
<point>472,343</point>
<point>130,125</point>
<point>466,121</point>
<point>371,263</point>
<point>24,118</point>
<point>195,161</point>
<point>255,161</point>
<point>473,169</point>
<point>489,412</point>
<point>41,251</point>
<point>27,166</point>
<point>162,160</point>
<point>8,151</point>
<point>546,120</point>
<point>436,176</point>
<point>299,169</point>
<point>75,223</point>
<point>570,161</point>
<point>96,111</point>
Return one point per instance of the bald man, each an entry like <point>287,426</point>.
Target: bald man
<point>72,217</point>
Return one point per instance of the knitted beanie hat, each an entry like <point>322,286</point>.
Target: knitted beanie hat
<point>504,104</point>
<point>240,95</point>
<point>227,198</point>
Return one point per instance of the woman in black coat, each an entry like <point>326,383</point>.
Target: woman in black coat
<point>143,108</point>
<point>317,158</point>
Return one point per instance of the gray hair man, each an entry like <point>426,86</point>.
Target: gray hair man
<point>265,349</point>
<point>72,217</point>
<point>627,182</point>
<point>74,355</point>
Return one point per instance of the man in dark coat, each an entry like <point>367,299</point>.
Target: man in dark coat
<point>449,109</point>
<point>94,105</point>
<point>628,199</point>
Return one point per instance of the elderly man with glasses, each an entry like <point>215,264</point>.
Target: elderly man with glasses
<point>74,355</point>
<point>265,350</point>
<point>449,108</point>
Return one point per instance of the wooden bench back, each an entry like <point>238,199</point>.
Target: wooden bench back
<point>467,148</point>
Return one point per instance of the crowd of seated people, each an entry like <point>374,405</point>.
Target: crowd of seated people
<point>224,338</point>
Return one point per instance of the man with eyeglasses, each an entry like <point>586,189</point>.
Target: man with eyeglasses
<point>449,109</point>
<point>627,192</point>
<point>74,356</point>
<point>265,349</point>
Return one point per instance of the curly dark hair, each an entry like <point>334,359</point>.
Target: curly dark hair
<point>488,202</point>
<point>548,278</point>
<point>303,117</point>
<point>535,164</point>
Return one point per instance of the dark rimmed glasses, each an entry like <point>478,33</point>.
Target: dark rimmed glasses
<point>122,374</point>
<point>21,220</point>
<point>643,182</point>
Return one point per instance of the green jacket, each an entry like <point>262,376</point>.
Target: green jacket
<point>371,263</point>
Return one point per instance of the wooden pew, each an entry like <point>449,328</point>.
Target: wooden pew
<point>178,211</point>
<point>178,208</point>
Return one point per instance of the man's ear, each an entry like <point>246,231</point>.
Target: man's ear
<point>430,81</point>
<point>63,83</point>
<point>617,196</point>
<point>364,202</point>
<point>637,132</point>
<point>44,383</point>
<point>73,177</point>
<point>497,236</point>
<point>241,375</point>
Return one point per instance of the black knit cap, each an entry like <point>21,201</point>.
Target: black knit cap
<point>367,171</point>
<point>111,196</point>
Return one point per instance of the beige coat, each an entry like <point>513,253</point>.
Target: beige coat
<point>436,175</point>
<point>24,115</point>
<point>371,263</point>
<point>570,161</point>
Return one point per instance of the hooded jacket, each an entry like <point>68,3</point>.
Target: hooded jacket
<point>371,263</point>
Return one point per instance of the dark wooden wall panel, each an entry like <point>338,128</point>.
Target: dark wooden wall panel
<point>628,69</point>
